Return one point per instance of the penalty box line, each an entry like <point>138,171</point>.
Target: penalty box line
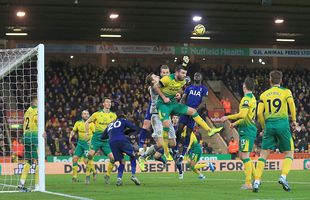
<point>67,195</point>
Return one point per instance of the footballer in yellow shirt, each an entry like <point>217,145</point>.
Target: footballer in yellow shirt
<point>273,116</point>
<point>82,147</point>
<point>246,128</point>
<point>101,119</point>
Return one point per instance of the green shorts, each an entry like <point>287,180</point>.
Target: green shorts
<point>195,153</point>
<point>278,133</point>
<point>165,109</point>
<point>247,137</point>
<point>81,149</point>
<point>97,143</point>
<point>31,145</point>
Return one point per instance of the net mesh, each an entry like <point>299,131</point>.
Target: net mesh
<point>18,86</point>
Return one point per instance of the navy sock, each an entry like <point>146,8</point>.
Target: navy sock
<point>161,160</point>
<point>179,166</point>
<point>120,170</point>
<point>185,145</point>
<point>143,134</point>
<point>161,150</point>
<point>133,165</point>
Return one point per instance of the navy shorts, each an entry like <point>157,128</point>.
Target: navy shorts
<point>148,114</point>
<point>119,148</point>
<point>188,121</point>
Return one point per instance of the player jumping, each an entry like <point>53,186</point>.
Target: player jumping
<point>194,96</point>
<point>167,88</point>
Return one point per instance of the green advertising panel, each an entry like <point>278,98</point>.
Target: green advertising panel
<point>205,51</point>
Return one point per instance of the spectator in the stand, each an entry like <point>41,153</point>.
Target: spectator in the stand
<point>226,105</point>
<point>18,148</point>
<point>206,147</point>
<point>302,145</point>
<point>233,148</point>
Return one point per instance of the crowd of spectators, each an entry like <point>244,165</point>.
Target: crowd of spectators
<point>296,79</point>
<point>71,89</point>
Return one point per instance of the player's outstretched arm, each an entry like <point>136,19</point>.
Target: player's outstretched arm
<point>240,115</point>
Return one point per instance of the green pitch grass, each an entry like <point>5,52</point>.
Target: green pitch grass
<point>160,186</point>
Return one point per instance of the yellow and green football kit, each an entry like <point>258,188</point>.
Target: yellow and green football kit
<point>82,146</point>
<point>31,132</point>
<point>246,126</point>
<point>101,119</point>
<point>275,121</point>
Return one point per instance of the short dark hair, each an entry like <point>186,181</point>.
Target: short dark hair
<point>249,83</point>
<point>164,67</point>
<point>275,77</point>
<point>180,67</point>
<point>148,79</point>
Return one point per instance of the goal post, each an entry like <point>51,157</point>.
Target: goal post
<point>21,81</point>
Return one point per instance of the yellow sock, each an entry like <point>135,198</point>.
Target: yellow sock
<point>74,170</point>
<point>201,122</point>
<point>36,176</point>
<point>25,172</point>
<point>286,166</point>
<point>260,168</point>
<point>110,167</point>
<point>253,168</point>
<point>165,144</point>
<point>248,170</point>
<point>199,166</point>
<point>196,171</point>
<point>88,168</point>
<point>92,166</point>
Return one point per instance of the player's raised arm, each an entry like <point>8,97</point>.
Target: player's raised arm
<point>260,114</point>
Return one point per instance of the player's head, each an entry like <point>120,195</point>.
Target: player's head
<point>275,77</point>
<point>151,79</point>
<point>248,84</point>
<point>197,77</point>
<point>175,119</point>
<point>164,71</point>
<point>34,102</point>
<point>85,115</point>
<point>107,103</point>
<point>180,73</point>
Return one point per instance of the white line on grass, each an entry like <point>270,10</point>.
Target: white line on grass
<point>67,195</point>
<point>298,198</point>
<point>237,180</point>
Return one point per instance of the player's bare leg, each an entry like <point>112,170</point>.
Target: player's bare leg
<point>193,113</point>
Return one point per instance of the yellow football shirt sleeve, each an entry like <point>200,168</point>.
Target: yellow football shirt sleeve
<point>93,117</point>
<point>164,81</point>
<point>291,105</point>
<point>244,109</point>
<point>260,112</point>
